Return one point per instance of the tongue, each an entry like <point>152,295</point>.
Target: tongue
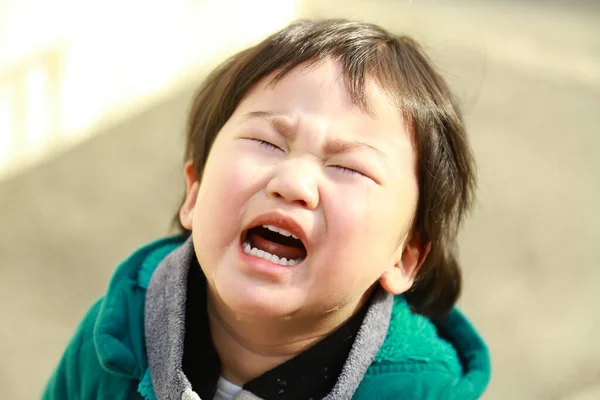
<point>278,249</point>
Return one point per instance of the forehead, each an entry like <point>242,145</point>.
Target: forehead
<point>319,90</point>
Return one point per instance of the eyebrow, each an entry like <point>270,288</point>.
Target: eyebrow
<point>286,129</point>
<point>338,146</point>
<point>277,121</point>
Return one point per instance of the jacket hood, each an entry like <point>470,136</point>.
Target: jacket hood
<point>450,348</point>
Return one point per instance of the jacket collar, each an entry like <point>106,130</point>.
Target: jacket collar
<point>163,264</point>
<point>165,324</point>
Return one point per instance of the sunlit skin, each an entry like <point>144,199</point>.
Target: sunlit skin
<point>300,151</point>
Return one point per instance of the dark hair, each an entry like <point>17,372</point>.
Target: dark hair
<point>445,166</point>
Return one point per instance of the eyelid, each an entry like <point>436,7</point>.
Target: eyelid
<point>351,171</point>
<point>266,144</point>
<point>359,172</point>
<point>347,169</point>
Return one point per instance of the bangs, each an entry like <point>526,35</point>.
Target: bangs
<point>365,53</point>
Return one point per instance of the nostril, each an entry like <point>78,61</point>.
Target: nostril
<point>300,202</point>
<point>294,194</point>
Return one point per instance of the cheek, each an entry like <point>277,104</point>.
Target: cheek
<point>360,215</point>
<point>229,178</point>
<point>352,249</point>
<point>227,184</point>
<point>365,227</point>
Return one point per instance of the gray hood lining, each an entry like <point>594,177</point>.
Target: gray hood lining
<point>368,341</point>
<point>164,322</point>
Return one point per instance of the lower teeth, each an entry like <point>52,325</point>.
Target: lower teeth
<point>253,251</point>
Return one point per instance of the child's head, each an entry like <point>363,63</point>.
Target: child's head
<point>344,135</point>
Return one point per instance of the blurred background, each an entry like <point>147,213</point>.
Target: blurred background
<point>93,99</point>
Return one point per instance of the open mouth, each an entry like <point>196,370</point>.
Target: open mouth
<point>274,244</point>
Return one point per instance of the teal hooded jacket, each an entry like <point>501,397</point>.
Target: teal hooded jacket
<point>129,344</point>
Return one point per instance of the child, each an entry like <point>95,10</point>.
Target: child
<point>327,174</point>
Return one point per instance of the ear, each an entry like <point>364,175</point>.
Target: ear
<point>402,275</point>
<point>186,212</point>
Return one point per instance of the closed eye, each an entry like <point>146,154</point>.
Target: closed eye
<point>347,170</point>
<point>266,145</point>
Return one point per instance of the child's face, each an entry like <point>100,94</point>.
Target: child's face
<point>278,161</point>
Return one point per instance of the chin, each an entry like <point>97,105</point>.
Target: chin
<point>258,301</point>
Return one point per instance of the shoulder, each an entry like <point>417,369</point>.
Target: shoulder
<point>427,360</point>
<point>106,354</point>
<point>80,374</point>
<point>119,327</point>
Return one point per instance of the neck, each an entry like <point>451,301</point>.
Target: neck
<point>249,347</point>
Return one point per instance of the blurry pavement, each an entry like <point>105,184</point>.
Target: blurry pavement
<point>528,76</point>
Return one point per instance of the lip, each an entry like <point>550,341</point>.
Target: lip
<point>281,221</point>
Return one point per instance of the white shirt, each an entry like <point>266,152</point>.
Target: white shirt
<point>226,390</point>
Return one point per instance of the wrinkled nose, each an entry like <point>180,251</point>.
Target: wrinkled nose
<point>296,183</point>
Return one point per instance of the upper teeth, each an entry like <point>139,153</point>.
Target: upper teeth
<point>280,231</point>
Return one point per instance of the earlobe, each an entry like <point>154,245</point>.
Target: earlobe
<point>394,282</point>
<point>186,212</point>
<point>402,275</point>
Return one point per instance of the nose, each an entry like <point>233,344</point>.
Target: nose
<point>296,182</point>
